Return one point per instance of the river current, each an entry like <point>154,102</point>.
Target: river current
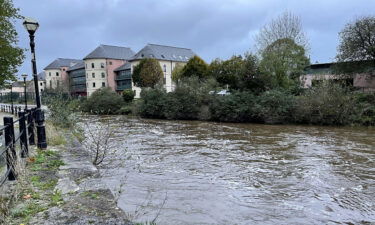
<point>192,172</point>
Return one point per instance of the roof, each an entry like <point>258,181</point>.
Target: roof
<point>110,52</point>
<point>341,67</point>
<point>77,66</point>
<point>60,62</point>
<point>126,66</point>
<point>42,76</point>
<point>17,84</point>
<point>163,52</point>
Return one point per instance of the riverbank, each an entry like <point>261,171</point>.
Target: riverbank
<point>61,186</point>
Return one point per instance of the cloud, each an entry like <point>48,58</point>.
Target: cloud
<point>221,28</point>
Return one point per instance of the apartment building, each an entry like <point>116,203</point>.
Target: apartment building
<point>168,57</point>
<point>56,75</point>
<point>77,79</point>
<point>100,65</point>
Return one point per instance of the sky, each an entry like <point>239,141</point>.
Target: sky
<point>211,28</point>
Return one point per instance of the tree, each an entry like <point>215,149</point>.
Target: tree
<point>286,26</point>
<point>284,61</point>
<point>227,72</point>
<point>128,95</point>
<point>196,67</point>
<point>177,72</point>
<point>147,73</point>
<point>357,40</point>
<point>10,56</point>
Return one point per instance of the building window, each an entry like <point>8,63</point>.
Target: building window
<point>63,69</point>
<point>57,74</point>
<point>49,73</point>
<point>58,83</point>
<point>101,65</point>
<point>41,84</point>
<point>93,84</point>
<point>165,68</point>
<point>92,65</point>
<point>103,75</point>
<point>86,65</point>
<point>103,84</point>
<point>87,75</point>
<point>93,75</point>
<point>50,84</point>
<point>110,62</point>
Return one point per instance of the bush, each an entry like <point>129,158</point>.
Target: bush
<point>103,101</point>
<point>326,104</point>
<point>128,95</point>
<point>365,109</point>
<point>60,112</point>
<point>125,110</point>
<point>153,103</point>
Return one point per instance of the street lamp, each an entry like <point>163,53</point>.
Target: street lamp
<point>31,26</point>
<point>11,96</point>
<point>24,89</point>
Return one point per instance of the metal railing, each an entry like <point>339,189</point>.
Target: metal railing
<point>24,137</point>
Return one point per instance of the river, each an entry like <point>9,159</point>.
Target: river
<point>221,173</point>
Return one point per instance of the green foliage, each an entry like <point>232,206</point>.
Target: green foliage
<point>128,95</point>
<point>327,104</point>
<point>365,110</point>
<point>10,56</point>
<point>177,72</point>
<point>61,109</point>
<point>196,67</point>
<point>357,40</point>
<point>103,101</point>
<point>283,61</point>
<point>125,110</point>
<point>147,73</point>
<point>153,103</point>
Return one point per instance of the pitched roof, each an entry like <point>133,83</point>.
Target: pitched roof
<point>42,76</point>
<point>163,52</point>
<point>60,62</point>
<point>77,66</point>
<point>126,66</point>
<point>110,52</point>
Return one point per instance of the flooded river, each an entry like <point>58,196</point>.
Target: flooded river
<point>213,173</point>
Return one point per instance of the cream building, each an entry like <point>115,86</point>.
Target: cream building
<point>168,57</point>
<point>56,75</point>
<point>100,65</point>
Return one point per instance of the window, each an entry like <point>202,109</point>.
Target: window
<point>86,65</point>
<point>103,84</point>
<point>63,69</point>
<point>87,75</point>
<point>92,65</point>
<point>58,83</point>
<point>93,75</point>
<point>41,84</point>
<point>103,75</point>
<point>57,74</point>
<point>49,73</point>
<point>165,68</point>
<point>50,84</point>
<point>93,84</point>
<point>101,65</point>
<point>110,62</point>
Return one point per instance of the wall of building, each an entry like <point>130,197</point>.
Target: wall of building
<point>113,64</point>
<point>53,80</point>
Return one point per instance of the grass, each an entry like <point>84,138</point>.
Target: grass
<point>27,211</point>
<point>54,137</point>
<point>90,194</point>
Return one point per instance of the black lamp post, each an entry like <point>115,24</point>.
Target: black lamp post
<point>31,26</point>
<point>24,76</point>
<point>11,96</point>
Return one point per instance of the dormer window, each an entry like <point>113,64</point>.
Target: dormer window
<point>163,56</point>
<point>142,55</point>
<point>151,56</point>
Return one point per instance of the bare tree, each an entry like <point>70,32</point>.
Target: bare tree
<point>286,26</point>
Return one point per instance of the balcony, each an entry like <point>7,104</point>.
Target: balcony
<point>124,77</point>
<point>123,87</point>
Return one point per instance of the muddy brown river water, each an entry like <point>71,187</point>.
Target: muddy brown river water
<point>219,173</point>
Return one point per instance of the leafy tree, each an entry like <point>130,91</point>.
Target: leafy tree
<point>286,26</point>
<point>10,56</point>
<point>357,40</point>
<point>196,67</point>
<point>227,72</point>
<point>284,61</point>
<point>147,73</point>
<point>177,72</point>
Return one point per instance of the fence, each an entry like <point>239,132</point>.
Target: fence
<point>25,136</point>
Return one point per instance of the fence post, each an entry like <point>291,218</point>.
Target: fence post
<point>30,127</point>
<point>11,156</point>
<point>23,133</point>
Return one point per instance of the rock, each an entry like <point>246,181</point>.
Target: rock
<point>65,185</point>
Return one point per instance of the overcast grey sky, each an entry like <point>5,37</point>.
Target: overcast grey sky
<point>211,28</point>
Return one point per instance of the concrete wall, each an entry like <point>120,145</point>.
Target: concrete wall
<point>113,64</point>
<point>52,79</point>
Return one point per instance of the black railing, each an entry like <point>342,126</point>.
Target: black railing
<point>23,137</point>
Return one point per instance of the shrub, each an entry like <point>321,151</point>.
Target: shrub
<point>103,101</point>
<point>276,106</point>
<point>365,109</point>
<point>326,104</point>
<point>128,95</point>
<point>153,102</point>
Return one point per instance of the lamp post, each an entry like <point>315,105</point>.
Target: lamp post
<point>31,26</point>
<point>11,96</point>
<point>24,90</point>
